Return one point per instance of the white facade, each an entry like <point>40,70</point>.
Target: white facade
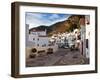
<point>42,41</point>
<point>38,32</point>
<point>88,28</point>
<point>39,38</point>
<point>27,34</point>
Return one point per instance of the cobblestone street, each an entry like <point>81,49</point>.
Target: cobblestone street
<point>61,57</point>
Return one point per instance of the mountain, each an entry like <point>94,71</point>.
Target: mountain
<point>42,28</point>
<point>68,25</point>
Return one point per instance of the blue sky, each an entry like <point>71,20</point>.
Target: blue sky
<point>37,19</point>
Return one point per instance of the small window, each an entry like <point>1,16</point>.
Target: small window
<point>33,38</point>
<point>44,45</point>
<point>38,39</point>
<point>37,44</point>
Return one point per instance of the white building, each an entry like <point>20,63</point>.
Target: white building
<point>39,38</point>
<point>85,36</point>
<point>38,32</point>
<point>27,34</point>
<point>88,28</point>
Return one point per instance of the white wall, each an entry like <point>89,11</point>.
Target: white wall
<point>5,40</point>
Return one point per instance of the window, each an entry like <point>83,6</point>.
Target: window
<point>44,45</point>
<point>33,38</point>
<point>38,39</point>
<point>37,44</point>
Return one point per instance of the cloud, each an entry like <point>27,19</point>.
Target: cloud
<point>37,19</point>
<point>54,17</point>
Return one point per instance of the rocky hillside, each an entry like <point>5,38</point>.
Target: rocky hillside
<point>68,25</point>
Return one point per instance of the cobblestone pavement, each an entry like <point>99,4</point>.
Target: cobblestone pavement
<point>61,57</point>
